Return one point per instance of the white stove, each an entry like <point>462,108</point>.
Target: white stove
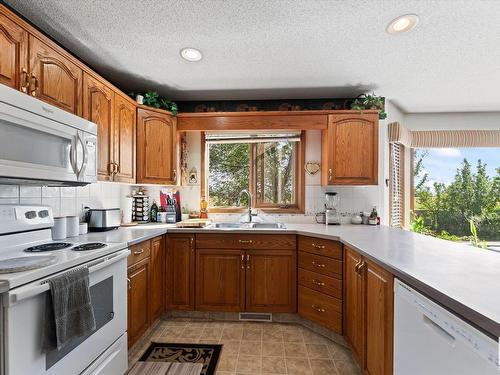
<point>28,259</point>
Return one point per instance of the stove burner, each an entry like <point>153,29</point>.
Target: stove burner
<point>89,246</point>
<point>48,247</point>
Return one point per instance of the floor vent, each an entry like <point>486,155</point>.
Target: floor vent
<point>256,317</point>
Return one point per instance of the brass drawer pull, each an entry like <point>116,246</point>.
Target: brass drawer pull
<point>138,252</point>
<point>248,262</point>
<point>245,241</point>
<point>242,261</point>
<point>318,309</point>
<point>318,246</point>
<point>319,265</point>
<point>129,283</point>
<point>318,283</point>
<point>330,174</point>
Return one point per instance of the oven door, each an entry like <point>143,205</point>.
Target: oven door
<point>24,309</point>
<point>33,147</point>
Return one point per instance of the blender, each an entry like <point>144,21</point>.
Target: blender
<point>331,214</point>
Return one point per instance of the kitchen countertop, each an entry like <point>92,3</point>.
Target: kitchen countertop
<point>464,279</point>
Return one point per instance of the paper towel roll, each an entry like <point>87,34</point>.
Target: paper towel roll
<point>126,206</point>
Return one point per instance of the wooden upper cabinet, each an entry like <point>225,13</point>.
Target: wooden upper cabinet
<point>56,80</point>
<point>156,147</point>
<point>98,108</point>
<point>271,281</point>
<point>180,271</point>
<point>13,54</point>
<point>350,150</point>
<point>124,138</point>
<point>354,304</point>
<point>220,280</point>
<point>378,320</point>
<point>157,291</point>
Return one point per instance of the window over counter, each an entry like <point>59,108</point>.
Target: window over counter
<point>456,192</point>
<point>267,164</point>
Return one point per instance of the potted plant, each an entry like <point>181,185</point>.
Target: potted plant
<point>153,99</point>
<point>367,101</point>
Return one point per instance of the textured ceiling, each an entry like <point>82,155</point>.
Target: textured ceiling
<point>265,49</point>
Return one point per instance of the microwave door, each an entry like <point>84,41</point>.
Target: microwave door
<point>34,147</point>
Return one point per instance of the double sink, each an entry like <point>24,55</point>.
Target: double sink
<point>248,225</point>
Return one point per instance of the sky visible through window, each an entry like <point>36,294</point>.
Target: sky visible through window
<point>441,163</point>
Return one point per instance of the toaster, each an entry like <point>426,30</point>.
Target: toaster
<point>103,219</point>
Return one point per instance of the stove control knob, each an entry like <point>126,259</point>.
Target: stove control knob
<point>30,214</point>
<point>43,213</point>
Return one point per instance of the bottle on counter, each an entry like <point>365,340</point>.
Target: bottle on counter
<point>203,208</point>
<point>153,212</point>
<point>372,220</point>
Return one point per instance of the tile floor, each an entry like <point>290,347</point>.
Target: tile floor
<point>257,348</point>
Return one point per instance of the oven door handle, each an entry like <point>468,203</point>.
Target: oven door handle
<point>29,291</point>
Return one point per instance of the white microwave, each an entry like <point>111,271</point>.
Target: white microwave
<point>44,145</point>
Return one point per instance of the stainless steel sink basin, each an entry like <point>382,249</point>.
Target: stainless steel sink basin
<point>267,225</point>
<point>249,225</point>
<point>228,225</point>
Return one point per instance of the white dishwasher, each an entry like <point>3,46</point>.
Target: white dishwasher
<point>430,340</point>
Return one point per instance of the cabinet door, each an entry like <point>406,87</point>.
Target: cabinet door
<point>124,139</point>
<point>138,300</point>
<point>379,319</point>
<point>156,148</point>
<point>57,80</point>
<point>271,280</point>
<point>98,108</point>
<point>351,150</point>
<point>13,54</point>
<point>180,270</point>
<point>220,280</point>
<point>354,306</point>
<point>157,295</point>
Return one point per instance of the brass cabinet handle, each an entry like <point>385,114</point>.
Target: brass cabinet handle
<point>318,309</point>
<point>174,175</point>
<point>26,79</point>
<point>129,283</point>
<point>33,77</point>
<point>318,246</point>
<point>191,241</point>
<point>248,262</point>
<point>356,267</point>
<point>330,174</point>
<point>361,267</point>
<point>242,261</point>
<point>117,168</point>
<point>245,241</point>
<point>319,265</point>
<point>319,283</point>
<point>138,252</point>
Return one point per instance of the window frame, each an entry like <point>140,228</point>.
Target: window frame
<point>297,208</point>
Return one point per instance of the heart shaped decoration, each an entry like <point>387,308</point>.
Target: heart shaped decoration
<point>312,167</point>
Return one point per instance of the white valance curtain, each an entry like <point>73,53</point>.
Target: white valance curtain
<point>442,138</point>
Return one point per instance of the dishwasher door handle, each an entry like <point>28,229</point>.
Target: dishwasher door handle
<point>450,339</point>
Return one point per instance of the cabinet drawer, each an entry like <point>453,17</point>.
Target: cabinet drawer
<point>246,241</point>
<point>327,248</point>
<point>321,283</point>
<point>323,265</point>
<point>138,252</point>
<point>320,308</point>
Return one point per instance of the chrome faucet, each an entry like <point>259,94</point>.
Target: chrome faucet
<point>245,191</point>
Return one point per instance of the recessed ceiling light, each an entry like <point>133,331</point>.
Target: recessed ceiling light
<point>402,24</point>
<point>191,54</point>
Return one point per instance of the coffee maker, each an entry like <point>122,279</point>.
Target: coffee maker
<point>331,214</point>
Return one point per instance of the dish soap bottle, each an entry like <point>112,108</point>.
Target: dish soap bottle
<point>153,212</point>
<point>372,220</point>
<point>203,208</point>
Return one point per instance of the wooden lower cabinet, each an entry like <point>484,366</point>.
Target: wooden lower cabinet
<point>138,300</point>
<point>379,320</point>
<point>220,280</point>
<point>321,308</point>
<point>146,286</point>
<point>369,313</point>
<point>271,281</point>
<point>354,322</point>
<point>180,271</point>
<point>157,291</point>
